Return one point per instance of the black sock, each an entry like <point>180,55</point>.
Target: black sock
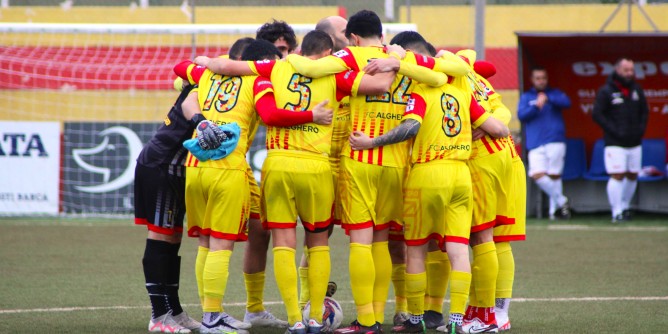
<point>156,265</point>
<point>172,278</point>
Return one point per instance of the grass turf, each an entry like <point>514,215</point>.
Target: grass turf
<point>94,268</point>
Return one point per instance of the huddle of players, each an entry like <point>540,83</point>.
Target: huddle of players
<point>462,165</point>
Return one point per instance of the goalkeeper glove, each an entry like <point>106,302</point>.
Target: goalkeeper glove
<point>209,135</point>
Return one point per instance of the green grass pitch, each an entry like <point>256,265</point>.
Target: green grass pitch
<point>85,276</point>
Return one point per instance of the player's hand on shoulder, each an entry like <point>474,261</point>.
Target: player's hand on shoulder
<point>395,49</point>
<point>382,66</point>
<point>322,114</point>
<point>360,141</point>
<point>209,135</point>
<point>202,61</point>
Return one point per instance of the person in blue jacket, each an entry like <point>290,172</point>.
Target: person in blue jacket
<point>540,110</point>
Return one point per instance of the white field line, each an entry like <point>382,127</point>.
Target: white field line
<point>516,300</point>
<point>599,228</point>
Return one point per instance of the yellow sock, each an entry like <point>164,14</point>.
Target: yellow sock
<point>381,286</point>
<point>285,271</point>
<point>303,287</point>
<point>216,270</point>
<point>202,252</point>
<point>415,287</point>
<point>504,283</point>
<point>460,283</point>
<point>485,270</point>
<point>318,276</point>
<point>362,276</point>
<point>254,292</point>
<point>438,272</point>
<point>399,283</point>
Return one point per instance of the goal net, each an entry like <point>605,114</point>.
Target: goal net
<point>108,87</point>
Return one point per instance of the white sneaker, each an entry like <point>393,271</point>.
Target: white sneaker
<point>478,326</point>
<point>502,320</point>
<point>166,324</point>
<point>184,320</point>
<point>234,322</point>
<point>218,326</point>
<point>297,328</point>
<point>264,319</point>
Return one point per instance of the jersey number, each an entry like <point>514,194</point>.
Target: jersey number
<point>297,84</point>
<point>223,94</point>
<point>452,123</point>
<point>399,95</point>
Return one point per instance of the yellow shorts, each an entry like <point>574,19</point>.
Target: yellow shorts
<point>438,203</point>
<point>517,231</point>
<point>491,176</point>
<point>217,202</point>
<point>335,164</point>
<point>297,184</point>
<point>370,195</point>
<point>254,194</point>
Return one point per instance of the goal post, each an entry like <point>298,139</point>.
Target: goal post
<point>107,87</point>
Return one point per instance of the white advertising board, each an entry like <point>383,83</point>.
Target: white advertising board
<point>29,167</point>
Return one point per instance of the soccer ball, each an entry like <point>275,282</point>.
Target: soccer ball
<point>332,314</point>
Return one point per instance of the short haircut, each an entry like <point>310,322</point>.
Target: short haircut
<point>538,68</point>
<point>411,40</point>
<point>272,31</point>
<point>324,25</point>
<point>316,42</point>
<point>431,49</point>
<point>364,23</point>
<point>620,60</point>
<point>239,46</point>
<point>260,49</point>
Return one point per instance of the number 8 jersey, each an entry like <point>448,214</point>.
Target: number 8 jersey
<point>448,115</point>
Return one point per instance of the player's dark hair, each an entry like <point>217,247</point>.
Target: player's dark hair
<point>538,68</point>
<point>316,42</point>
<point>620,60</point>
<point>260,49</point>
<point>239,46</point>
<point>364,23</point>
<point>272,31</point>
<point>431,49</point>
<point>411,40</point>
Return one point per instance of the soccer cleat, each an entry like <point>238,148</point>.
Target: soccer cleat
<point>331,289</point>
<point>628,216</point>
<point>433,319</point>
<point>502,321</point>
<point>399,318</point>
<point>618,219</point>
<point>264,319</point>
<point>563,212</point>
<point>186,321</point>
<point>166,324</point>
<point>297,328</point>
<point>219,325</point>
<point>478,326</point>
<point>234,322</point>
<point>409,327</point>
<point>314,327</point>
<point>357,328</point>
<point>451,328</point>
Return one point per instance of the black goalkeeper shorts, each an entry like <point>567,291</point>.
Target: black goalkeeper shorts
<point>159,200</point>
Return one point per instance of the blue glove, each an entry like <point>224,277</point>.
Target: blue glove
<point>232,132</point>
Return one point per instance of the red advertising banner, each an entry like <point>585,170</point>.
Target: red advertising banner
<point>579,64</point>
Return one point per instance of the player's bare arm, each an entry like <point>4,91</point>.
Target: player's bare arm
<point>494,128</point>
<point>416,72</point>
<point>322,114</point>
<point>376,84</point>
<point>406,130</point>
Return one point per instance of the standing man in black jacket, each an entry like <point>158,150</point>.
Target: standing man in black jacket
<point>621,110</point>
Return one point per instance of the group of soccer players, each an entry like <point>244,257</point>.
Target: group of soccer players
<point>408,150</point>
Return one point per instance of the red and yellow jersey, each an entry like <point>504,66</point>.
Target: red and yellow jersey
<point>447,115</point>
<point>298,93</point>
<point>376,115</point>
<point>340,128</point>
<point>223,100</point>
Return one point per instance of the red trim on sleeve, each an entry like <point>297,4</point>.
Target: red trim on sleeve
<point>416,105</point>
<point>181,69</point>
<point>425,61</point>
<point>260,84</point>
<point>344,83</point>
<point>476,110</point>
<point>272,116</point>
<point>484,68</point>
<point>347,56</point>
<point>264,67</point>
